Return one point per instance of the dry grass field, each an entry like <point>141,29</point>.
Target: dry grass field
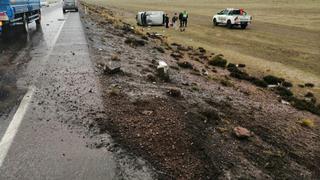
<point>283,40</point>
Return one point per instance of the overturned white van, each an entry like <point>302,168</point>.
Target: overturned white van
<point>150,18</point>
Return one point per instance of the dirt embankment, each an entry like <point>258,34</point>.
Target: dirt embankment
<point>184,122</point>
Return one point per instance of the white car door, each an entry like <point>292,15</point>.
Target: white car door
<point>223,16</point>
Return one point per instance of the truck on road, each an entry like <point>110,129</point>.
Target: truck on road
<point>18,13</point>
<point>232,17</point>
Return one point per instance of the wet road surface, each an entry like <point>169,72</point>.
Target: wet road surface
<point>41,136</point>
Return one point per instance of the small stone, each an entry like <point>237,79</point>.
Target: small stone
<point>242,132</point>
<point>202,50</point>
<point>309,85</point>
<point>162,70</point>
<point>147,113</point>
<point>151,77</point>
<point>185,64</point>
<point>174,92</point>
<point>176,55</point>
<point>111,70</point>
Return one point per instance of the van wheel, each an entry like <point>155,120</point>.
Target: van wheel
<point>215,23</point>
<point>76,10</point>
<point>229,25</point>
<point>244,26</point>
<point>64,11</point>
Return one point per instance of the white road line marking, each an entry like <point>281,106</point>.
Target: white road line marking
<point>13,127</point>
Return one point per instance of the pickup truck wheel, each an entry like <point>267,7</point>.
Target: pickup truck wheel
<point>244,26</point>
<point>229,25</point>
<point>25,24</point>
<point>215,23</point>
<point>38,21</point>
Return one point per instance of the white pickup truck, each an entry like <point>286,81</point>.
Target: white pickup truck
<point>232,17</point>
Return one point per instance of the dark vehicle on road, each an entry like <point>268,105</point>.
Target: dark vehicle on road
<point>70,5</point>
<point>18,13</point>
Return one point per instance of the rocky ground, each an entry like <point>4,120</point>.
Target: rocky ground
<point>198,121</point>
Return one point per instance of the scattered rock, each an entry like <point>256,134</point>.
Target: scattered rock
<point>284,102</point>
<point>115,91</point>
<point>160,49</point>
<point>155,35</point>
<point>309,85</point>
<point>175,67</point>
<point>182,48</point>
<point>202,50</point>
<point>185,64</point>
<point>227,83</point>
<point>108,69</point>
<point>309,95</point>
<point>287,84</point>
<point>175,44</point>
<point>134,42</point>
<point>115,57</point>
<point>127,28</point>
<point>242,133</point>
<point>163,71</point>
<point>147,113</point>
<point>151,77</point>
<point>176,55</point>
<point>174,92</point>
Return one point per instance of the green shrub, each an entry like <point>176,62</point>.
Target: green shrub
<point>273,79</point>
<point>218,61</point>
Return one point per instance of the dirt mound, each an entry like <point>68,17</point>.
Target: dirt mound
<point>185,127</point>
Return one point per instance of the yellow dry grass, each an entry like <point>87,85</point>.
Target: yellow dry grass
<point>283,40</point>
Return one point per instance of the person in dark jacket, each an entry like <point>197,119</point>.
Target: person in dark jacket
<point>167,19</point>
<point>174,21</point>
<point>180,19</point>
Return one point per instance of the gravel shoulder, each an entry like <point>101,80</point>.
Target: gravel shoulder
<point>184,127</point>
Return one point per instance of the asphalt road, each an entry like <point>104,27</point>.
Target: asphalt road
<point>42,135</point>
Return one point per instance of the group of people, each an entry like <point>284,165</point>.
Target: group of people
<point>182,18</point>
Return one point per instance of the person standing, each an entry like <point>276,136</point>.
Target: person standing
<point>167,19</point>
<point>174,21</point>
<point>185,17</point>
<point>181,19</point>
